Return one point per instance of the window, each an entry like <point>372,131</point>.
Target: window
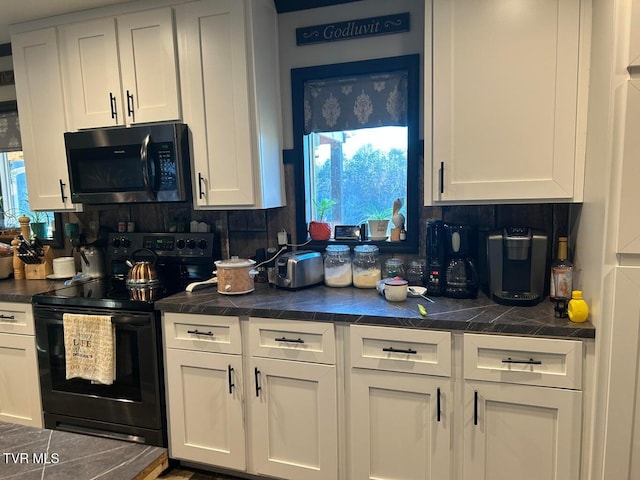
<point>356,144</point>
<point>14,198</point>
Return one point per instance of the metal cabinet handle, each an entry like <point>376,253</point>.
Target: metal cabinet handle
<point>531,361</point>
<point>289,340</point>
<point>7,317</point>
<point>231,384</point>
<point>441,177</point>
<point>200,180</point>
<point>112,103</point>
<point>399,350</point>
<point>198,332</point>
<point>475,407</point>
<point>129,104</point>
<point>62,195</point>
<point>257,375</point>
<point>438,404</point>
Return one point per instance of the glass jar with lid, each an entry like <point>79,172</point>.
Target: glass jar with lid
<point>415,271</point>
<point>366,266</point>
<point>337,266</point>
<point>394,267</point>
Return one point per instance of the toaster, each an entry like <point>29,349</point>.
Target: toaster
<point>300,269</point>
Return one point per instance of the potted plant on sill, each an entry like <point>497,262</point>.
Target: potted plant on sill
<point>378,221</point>
<point>321,230</point>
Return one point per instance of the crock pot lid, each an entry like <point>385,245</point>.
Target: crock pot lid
<point>235,262</point>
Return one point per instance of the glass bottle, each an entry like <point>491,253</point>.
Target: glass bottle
<point>337,266</point>
<point>561,283</point>
<point>415,272</point>
<point>366,266</point>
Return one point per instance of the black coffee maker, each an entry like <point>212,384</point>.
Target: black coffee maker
<point>460,275</point>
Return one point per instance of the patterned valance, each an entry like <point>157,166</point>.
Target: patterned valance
<point>9,132</point>
<point>350,103</point>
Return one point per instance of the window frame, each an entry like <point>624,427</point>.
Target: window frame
<point>408,63</point>
<point>57,241</point>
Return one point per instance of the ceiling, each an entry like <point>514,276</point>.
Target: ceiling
<point>25,10</point>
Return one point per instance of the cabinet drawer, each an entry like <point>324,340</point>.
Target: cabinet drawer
<point>16,318</point>
<point>292,340</point>
<point>207,333</point>
<point>525,360</point>
<point>400,349</point>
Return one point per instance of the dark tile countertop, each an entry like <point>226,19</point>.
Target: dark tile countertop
<point>365,306</point>
<point>29,453</point>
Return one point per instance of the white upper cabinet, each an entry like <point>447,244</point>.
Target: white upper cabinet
<point>506,84</point>
<point>42,118</point>
<point>122,70</point>
<point>231,101</point>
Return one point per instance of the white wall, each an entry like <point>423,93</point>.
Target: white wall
<point>293,56</point>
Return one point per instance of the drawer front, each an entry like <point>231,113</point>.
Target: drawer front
<point>16,318</point>
<point>303,341</point>
<point>524,360</point>
<point>400,349</point>
<point>206,333</point>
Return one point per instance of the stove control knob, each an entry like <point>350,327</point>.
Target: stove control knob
<point>202,244</point>
<point>191,244</point>
<point>180,244</point>
<point>115,242</point>
<point>125,242</point>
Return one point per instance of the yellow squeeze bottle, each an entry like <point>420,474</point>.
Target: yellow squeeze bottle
<point>578,309</point>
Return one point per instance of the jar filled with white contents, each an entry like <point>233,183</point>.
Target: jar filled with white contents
<point>366,266</point>
<point>337,266</point>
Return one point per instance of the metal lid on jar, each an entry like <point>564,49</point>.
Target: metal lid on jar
<point>365,249</point>
<point>337,249</point>
<point>235,262</point>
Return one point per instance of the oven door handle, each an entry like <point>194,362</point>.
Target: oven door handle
<point>136,321</point>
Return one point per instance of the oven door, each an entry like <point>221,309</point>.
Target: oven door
<point>134,398</point>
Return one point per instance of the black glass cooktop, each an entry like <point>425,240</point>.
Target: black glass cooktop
<point>103,293</point>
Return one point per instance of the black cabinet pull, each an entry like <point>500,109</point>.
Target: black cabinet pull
<point>62,195</point>
<point>257,375</point>
<point>531,361</point>
<point>198,332</point>
<point>112,102</point>
<point>438,401</point>
<point>231,384</point>
<point>475,407</point>
<point>200,180</point>
<point>7,317</point>
<point>289,340</point>
<point>399,350</point>
<point>129,104</point>
<point>441,177</point>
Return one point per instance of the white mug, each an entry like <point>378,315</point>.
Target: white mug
<point>395,290</point>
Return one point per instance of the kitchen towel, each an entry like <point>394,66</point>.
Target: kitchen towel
<point>89,343</point>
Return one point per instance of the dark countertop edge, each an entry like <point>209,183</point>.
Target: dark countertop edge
<point>531,329</point>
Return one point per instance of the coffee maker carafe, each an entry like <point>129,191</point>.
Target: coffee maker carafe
<point>516,260</point>
<point>461,277</point>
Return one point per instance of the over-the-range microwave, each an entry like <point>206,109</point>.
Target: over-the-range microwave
<point>148,163</point>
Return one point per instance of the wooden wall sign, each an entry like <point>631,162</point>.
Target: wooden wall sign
<point>350,29</point>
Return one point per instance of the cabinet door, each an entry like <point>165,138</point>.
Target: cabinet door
<point>92,74</point>
<point>294,426</point>
<point>19,384</point>
<point>505,83</point>
<point>215,98</point>
<point>41,109</point>
<point>399,427</point>
<point>148,66</point>
<point>204,392</point>
<point>628,225</point>
<point>520,431</point>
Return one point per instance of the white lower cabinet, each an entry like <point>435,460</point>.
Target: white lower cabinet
<point>19,379</point>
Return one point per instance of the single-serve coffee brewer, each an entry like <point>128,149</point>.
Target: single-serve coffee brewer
<point>516,262</point>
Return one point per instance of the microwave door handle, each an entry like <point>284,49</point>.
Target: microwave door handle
<point>144,158</point>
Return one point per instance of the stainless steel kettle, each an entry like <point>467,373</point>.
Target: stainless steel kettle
<point>92,261</point>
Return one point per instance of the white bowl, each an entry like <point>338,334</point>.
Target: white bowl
<point>6,266</point>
